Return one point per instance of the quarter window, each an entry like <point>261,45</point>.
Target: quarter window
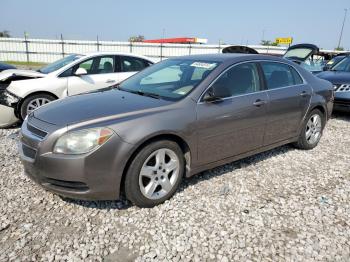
<point>240,79</point>
<point>280,75</point>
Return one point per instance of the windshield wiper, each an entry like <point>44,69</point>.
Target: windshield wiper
<point>137,92</point>
<point>142,93</point>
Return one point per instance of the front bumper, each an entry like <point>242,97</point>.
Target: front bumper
<point>93,176</point>
<point>7,116</point>
<point>342,101</point>
<point>341,105</point>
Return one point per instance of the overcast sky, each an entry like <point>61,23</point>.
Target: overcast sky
<point>232,22</point>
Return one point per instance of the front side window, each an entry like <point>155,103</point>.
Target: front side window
<point>239,80</point>
<point>93,66</point>
<point>171,79</point>
<point>280,75</point>
<point>133,64</point>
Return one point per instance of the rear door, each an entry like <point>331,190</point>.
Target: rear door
<point>289,98</point>
<point>235,124</point>
<point>100,74</point>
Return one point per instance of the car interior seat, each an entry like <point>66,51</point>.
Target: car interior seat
<point>241,80</point>
<point>278,79</point>
<point>107,68</point>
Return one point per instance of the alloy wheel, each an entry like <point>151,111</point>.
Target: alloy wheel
<point>313,129</point>
<point>159,173</point>
<point>36,103</point>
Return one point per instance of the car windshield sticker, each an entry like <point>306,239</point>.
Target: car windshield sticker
<point>203,65</point>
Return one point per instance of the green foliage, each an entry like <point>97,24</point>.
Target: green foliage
<point>138,38</point>
<point>5,33</point>
<point>339,48</point>
<point>268,43</point>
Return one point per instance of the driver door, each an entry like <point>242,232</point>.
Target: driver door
<point>100,73</point>
<point>235,123</point>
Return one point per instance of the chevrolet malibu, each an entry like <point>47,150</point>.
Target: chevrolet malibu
<point>172,120</point>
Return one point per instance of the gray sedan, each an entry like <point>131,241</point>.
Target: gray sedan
<point>172,120</point>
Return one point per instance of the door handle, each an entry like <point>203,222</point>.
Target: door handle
<point>303,94</point>
<point>259,102</point>
<point>110,81</point>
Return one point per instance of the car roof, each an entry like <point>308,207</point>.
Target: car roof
<point>91,54</point>
<point>229,57</point>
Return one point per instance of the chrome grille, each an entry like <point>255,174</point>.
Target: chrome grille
<point>36,131</point>
<point>342,88</point>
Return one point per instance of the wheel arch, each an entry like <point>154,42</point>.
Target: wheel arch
<point>19,105</point>
<point>168,136</point>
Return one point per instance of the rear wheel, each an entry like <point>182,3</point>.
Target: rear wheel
<point>154,174</point>
<point>312,130</point>
<point>33,102</point>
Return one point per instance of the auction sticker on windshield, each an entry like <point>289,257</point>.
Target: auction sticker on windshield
<point>203,65</point>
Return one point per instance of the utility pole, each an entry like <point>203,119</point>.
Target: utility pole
<point>342,28</point>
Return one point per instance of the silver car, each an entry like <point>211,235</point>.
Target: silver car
<point>172,120</point>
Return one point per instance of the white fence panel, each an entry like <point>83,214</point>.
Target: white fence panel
<point>49,50</point>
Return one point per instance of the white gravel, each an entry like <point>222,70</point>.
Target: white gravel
<point>284,204</point>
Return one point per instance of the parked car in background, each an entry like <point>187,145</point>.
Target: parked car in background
<point>4,66</point>
<point>339,76</point>
<point>22,91</point>
<point>174,119</point>
<point>335,60</point>
<point>307,56</point>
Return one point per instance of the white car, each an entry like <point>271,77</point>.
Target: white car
<point>22,91</point>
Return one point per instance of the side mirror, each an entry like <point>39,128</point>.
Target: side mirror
<point>210,97</point>
<point>80,71</point>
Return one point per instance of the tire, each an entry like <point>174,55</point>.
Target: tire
<point>42,99</point>
<point>309,141</point>
<point>154,174</point>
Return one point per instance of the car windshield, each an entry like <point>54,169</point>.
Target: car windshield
<point>171,79</point>
<point>301,53</point>
<point>334,61</point>
<point>343,65</point>
<point>59,64</point>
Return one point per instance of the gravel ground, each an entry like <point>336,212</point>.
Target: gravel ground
<point>284,204</point>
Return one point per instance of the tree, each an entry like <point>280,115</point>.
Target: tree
<point>5,34</point>
<point>268,43</point>
<point>339,48</point>
<point>138,38</point>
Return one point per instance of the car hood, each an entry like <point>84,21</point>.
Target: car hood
<point>98,106</point>
<point>6,74</point>
<point>335,77</point>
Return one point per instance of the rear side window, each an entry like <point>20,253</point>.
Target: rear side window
<point>133,64</point>
<point>280,75</point>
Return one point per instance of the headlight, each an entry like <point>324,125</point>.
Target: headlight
<point>8,98</point>
<point>82,141</point>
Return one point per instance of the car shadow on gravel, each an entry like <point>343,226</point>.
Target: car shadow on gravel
<point>206,175</point>
<point>235,165</point>
<point>341,116</point>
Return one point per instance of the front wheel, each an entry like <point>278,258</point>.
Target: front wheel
<point>154,174</point>
<point>33,102</point>
<point>312,130</point>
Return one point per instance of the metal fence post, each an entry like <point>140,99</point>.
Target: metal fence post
<point>27,46</point>
<point>98,44</point>
<point>219,47</point>
<point>130,47</point>
<point>161,51</point>
<point>189,49</point>
<point>62,43</point>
